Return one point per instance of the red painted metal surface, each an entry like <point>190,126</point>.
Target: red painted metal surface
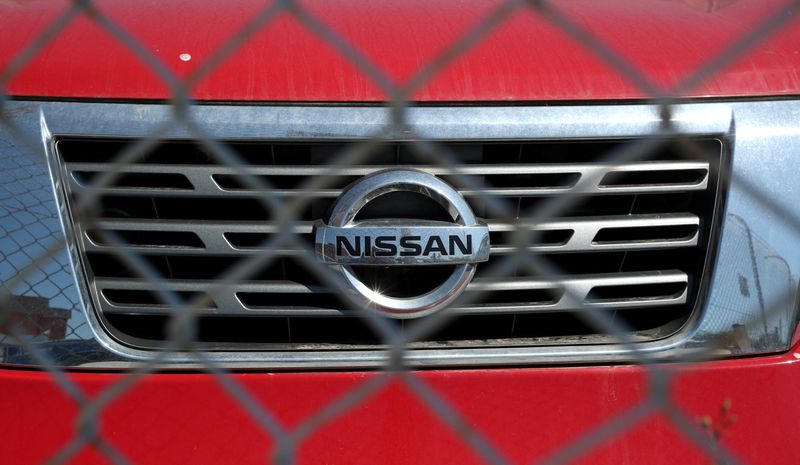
<point>524,59</point>
<point>526,414</point>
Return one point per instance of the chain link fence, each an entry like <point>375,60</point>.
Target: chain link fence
<point>43,321</point>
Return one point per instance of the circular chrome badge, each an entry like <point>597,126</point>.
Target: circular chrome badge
<point>345,243</point>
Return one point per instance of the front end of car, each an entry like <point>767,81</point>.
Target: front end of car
<point>509,232</point>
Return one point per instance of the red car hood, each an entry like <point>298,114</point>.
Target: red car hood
<point>524,58</point>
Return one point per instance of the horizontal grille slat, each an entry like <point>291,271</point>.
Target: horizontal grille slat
<point>588,179</point>
<point>632,241</point>
<point>582,234</point>
<point>568,294</point>
<point>333,193</point>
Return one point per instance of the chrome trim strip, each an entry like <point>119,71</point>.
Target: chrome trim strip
<point>348,122</point>
<point>585,229</point>
<point>756,131</point>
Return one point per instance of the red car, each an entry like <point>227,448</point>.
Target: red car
<point>399,232</point>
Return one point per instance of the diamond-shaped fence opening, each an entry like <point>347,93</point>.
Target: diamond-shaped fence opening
<point>103,236</point>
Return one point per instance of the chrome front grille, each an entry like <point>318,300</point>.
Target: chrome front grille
<point>634,240</point>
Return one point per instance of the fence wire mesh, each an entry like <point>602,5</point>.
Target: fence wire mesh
<point>38,307</point>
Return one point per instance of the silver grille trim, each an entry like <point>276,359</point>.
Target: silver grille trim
<point>226,301</point>
<point>583,233</point>
<point>590,178</point>
<point>508,124</point>
<point>199,239</point>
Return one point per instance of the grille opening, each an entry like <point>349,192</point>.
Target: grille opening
<point>586,151</point>
<point>534,238</point>
<point>543,181</point>
<point>188,267</point>
<point>616,204</point>
<point>638,291</point>
<point>148,238</point>
<point>99,150</point>
<point>266,153</point>
<point>195,208</point>
<point>392,154</point>
<point>264,300</point>
<point>129,297</point>
<point>116,206</point>
<point>260,240</point>
<point>662,233</point>
<point>674,259</point>
<point>522,297</point>
<point>138,180</point>
<point>402,281</point>
<point>353,332</point>
<point>275,332</point>
<point>176,267</point>
<point>238,182</point>
<point>399,205</point>
<point>645,178</point>
<point>335,326</point>
<point>572,325</point>
<point>253,209</point>
<point>601,262</point>
<point>279,154</point>
<point>606,262</point>
<point>665,203</point>
<point>285,268</point>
